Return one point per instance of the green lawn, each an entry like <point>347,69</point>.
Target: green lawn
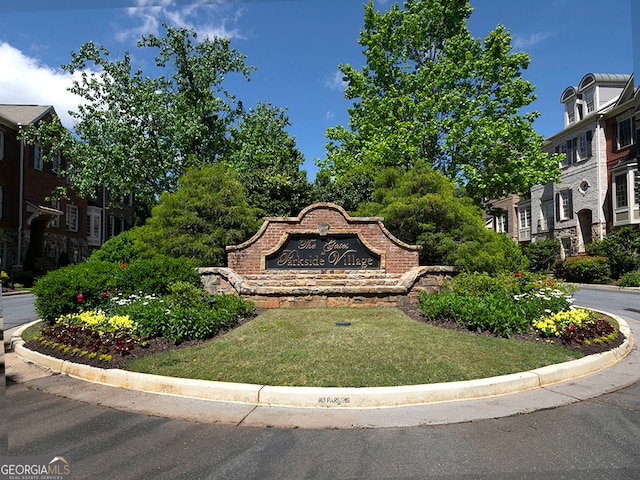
<point>381,347</point>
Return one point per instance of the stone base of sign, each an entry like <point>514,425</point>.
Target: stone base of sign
<point>323,288</point>
<point>324,258</point>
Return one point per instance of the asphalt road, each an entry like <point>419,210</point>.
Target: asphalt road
<point>593,439</point>
<point>17,310</point>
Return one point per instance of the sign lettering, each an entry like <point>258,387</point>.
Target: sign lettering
<point>316,252</point>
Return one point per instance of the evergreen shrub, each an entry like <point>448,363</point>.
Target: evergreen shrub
<point>587,269</point>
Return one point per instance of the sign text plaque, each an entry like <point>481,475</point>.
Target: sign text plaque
<point>313,251</point>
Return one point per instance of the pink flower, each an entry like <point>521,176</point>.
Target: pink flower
<point>80,298</point>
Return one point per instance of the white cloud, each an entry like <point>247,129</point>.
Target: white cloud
<point>336,82</point>
<point>521,42</point>
<point>330,115</point>
<point>206,17</point>
<point>25,80</point>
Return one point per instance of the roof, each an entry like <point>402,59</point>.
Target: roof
<point>590,78</point>
<point>17,115</point>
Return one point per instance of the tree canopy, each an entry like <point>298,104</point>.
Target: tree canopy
<point>267,160</point>
<point>429,93</point>
<point>140,133</point>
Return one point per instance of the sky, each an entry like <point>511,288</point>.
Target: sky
<point>297,47</point>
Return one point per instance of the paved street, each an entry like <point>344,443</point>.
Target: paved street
<point>592,439</point>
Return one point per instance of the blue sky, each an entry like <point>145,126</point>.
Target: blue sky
<point>297,46</point>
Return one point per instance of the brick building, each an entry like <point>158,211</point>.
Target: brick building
<point>36,233</point>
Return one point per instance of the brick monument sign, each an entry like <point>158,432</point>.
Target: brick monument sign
<point>324,258</point>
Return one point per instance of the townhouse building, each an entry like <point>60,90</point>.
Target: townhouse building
<point>36,232</point>
<point>595,142</point>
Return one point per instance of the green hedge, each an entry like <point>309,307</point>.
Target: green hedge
<point>57,292</point>
<point>502,305</point>
<point>587,269</point>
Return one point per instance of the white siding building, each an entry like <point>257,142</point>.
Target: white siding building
<point>575,210</point>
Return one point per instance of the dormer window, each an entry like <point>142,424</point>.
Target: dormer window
<point>571,112</point>
<point>589,101</point>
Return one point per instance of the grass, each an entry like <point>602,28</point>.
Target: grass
<point>381,347</point>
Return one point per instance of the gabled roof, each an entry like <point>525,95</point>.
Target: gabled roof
<point>16,115</point>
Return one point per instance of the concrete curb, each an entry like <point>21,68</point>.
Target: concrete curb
<point>333,398</point>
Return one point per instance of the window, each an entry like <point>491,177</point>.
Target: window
<point>116,226</point>
<point>546,215</point>
<point>571,112</point>
<point>585,150</point>
<point>572,151</point>
<point>72,218</point>
<point>524,216</point>
<point>501,223</point>
<point>57,162</point>
<point>621,191</point>
<point>564,205</point>
<point>1,202</point>
<point>37,157</point>
<point>1,145</point>
<point>563,151</point>
<point>588,100</point>
<point>94,226</point>
<point>636,187</point>
<point>624,132</point>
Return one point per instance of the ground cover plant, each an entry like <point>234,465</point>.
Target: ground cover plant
<point>505,305</point>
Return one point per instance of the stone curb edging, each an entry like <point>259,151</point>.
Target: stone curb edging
<point>317,397</point>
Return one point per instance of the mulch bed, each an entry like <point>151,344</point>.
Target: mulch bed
<point>158,345</point>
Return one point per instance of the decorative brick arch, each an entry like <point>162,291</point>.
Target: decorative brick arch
<point>324,257</point>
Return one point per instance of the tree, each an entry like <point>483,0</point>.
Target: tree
<point>207,212</point>
<point>136,133</point>
<point>432,94</point>
<point>268,162</point>
<point>347,191</point>
<point>424,207</point>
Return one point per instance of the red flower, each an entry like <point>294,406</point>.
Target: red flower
<point>80,298</point>
<point>122,265</point>
<point>105,294</point>
<point>517,274</point>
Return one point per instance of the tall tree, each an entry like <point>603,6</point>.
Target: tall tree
<point>268,161</point>
<point>139,133</point>
<point>432,94</point>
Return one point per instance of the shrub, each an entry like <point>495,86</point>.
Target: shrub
<point>120,249</point>
<point>630,279</point>
<point>89,285</point>
<point>502,305</point>
<point>57,293</point>
<point>155,275</point>
<point>542,255</point>
<point>587,269</point>
<point>159,317</point>
<point>622,249</point>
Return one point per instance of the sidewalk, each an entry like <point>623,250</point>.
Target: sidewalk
<point>298,407</point>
